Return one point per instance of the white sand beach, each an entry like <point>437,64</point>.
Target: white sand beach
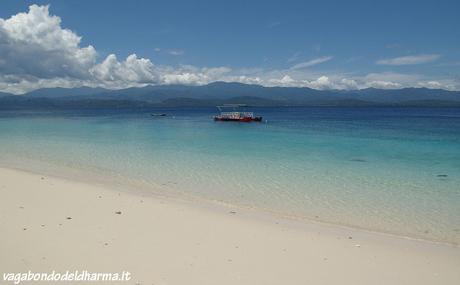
<point>50,223</point>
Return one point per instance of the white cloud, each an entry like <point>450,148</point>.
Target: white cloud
<point>383,84</point>
<point>19,85</point>
<point>325,82</point>
<point>431,84</point>
<point>176,52</point>
<point>441,84</point>
<point>245,79</point>
<point>286,80</point>
<point>409,60</point>
<point>322,82</point>
<point>191,75</point>
<point>37,52</point>
<point>34,44</point>
<point>132,70</point>
<point>349,84</point>
<point>384,80</point>
<point>311,62</point>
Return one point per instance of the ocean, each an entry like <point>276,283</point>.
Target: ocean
<point>393,170</point>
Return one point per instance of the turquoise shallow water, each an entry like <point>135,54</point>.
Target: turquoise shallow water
<point>391,170</point>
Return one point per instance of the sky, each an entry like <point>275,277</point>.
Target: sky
<point>316,44</point>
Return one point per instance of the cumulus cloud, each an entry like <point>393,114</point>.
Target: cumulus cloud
<point>431,84</point>
<point>311,62</point>
<point>349,84</point>
<point>19,85</point>
<point>409,60</point>
<point>37,52</point>
<point>191,75</point>
<point>383,84</point>
<point>325,82</point>
<point>441,84</point>
<point>132,70</point>
<point>385,80</point>
<point>322,82</point>
<point>33,44</point>
<point>285,81</point>
<point>246,79</point>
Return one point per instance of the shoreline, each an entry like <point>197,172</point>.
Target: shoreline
<point>136,187</point>
<point>162,240</point>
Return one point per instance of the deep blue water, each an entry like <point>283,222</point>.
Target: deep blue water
<point>395,170</point>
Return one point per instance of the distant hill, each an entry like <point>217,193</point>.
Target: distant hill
<point>65,92</point>
<point>24,103</point>
<point>2,94</point>
<point>223,92</point>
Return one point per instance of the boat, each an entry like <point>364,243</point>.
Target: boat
<point>158,115</point>
<point>232,113</point>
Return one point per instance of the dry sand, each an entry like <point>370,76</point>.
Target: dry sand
<point>167,241</point>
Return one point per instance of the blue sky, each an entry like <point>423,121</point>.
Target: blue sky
<point>320,44</point>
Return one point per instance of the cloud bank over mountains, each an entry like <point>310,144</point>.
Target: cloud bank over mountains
<point>37,52</point>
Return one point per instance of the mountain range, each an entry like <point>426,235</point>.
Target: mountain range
<point>224,92</point>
